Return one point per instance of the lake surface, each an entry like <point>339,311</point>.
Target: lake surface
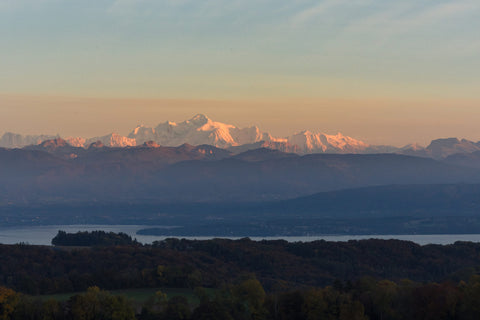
<point>42,235</point>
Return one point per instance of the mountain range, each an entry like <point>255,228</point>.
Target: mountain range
<point>56,171</point>
<point>230,188</point>
<point>200,130</point>
<point>210,190</point>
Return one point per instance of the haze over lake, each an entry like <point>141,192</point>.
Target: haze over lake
<point>42,235</point>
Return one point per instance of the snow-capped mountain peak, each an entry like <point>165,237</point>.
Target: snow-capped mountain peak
<point>309,142</point>
<point>199,120</point>
<point>196,131</point>
<point>113,140</point>
<point>201,130</point>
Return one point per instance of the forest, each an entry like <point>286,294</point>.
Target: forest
<point>93,238</point>
<point>243,279</point>
<point>366,298</point>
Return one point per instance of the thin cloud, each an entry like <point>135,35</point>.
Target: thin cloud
<point>443,11</point>
<point>314,12</point>
<point>406,16</point>
<point>323,8</point>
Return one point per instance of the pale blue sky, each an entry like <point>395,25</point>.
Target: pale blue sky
<point>262,50</point>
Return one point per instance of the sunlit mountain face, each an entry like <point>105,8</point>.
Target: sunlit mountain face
<point>201,130</point>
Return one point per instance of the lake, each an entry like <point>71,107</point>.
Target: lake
<point>42,235</point>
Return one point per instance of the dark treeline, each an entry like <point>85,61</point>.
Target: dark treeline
<point>363,299</point>
<point>278,265</point>
<point>94,238</point>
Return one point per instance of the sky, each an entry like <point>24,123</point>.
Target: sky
<point>384,71</point>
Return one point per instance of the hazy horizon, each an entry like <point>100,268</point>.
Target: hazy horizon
<point>382,72</point>
<point>89,117</point>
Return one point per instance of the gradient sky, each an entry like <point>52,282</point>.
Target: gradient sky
<point>384,71</point>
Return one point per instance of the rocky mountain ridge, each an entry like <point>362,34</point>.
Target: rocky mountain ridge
<point>200,130</point>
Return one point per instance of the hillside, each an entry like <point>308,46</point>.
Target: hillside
<point>204,173</point>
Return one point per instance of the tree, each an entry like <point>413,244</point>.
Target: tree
<point>314,305</point>
<point>251,293</point>
<point>99,304</point>
<point>52,310</point>
<point>8,301</point>
<point>154,306</point>
<point>177,309</point>
<point>211,310</point>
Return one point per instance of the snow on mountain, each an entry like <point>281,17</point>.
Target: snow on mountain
<point>113,140</point>
<point>200,130</point>
<point>309,142</point>
<point>14,140</point>
<point>273,145</point>
<point>344,143</point>
<point>413,147</point>
<point>142,134</point>
<point>196,131</point>
<point>76,141</point>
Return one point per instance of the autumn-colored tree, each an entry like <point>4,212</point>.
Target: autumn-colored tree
<point>52,310</point>
<point>314,305</point>
<point>8,301</point>
<point>251,293</point>
<point>99,304</point>
<point>353,310</point>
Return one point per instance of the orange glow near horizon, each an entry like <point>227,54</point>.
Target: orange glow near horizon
<point>375,121</point>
